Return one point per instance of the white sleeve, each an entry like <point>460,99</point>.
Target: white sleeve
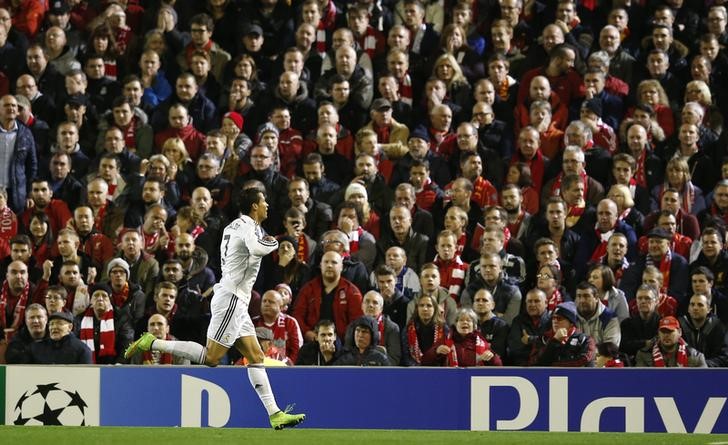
<point>259,246</point>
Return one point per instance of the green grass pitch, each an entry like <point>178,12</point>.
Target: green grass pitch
<point>200,436</point>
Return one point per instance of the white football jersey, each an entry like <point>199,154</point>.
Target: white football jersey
<point>241,251</point>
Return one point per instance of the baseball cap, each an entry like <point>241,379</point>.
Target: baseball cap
<point>381,104</point>
<point>658,232</point>
<point>252,28</point>
<point>62,315</point>
<point>567,310</point>
<point>59,7</point>
<point>669,323</point>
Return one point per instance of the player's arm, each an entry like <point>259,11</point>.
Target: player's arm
<point>261,246</point>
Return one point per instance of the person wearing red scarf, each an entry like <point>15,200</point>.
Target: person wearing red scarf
<point>669,350</point>
<point>102,330</point>
<point>125,295</point>
<point>452,268</point>
<point>369,39</point>
<point>465,346</point>
<point>423,332</point>
<point>201,28</point>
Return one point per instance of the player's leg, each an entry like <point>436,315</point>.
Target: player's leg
<point>220,335</point>
<point>248,345</point>
<point>250,348</point>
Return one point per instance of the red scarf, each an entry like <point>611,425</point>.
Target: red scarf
<point>573,213</point>
<point>515,227</point>
<point>452,357</point>
<point>681,358</point>
<point>150,239</point>
<point>414,344</point>
<point>164,358</point>
<point>8,224</point>
<point>99,219</point>
<point>329,16</point>
<point>20,303</point>
<point>382,134</point>
<point>321,38</point>
<point>191,48</point>
<point>302,252</point>
<point>130,134</point>
<point>556,187</point>
<point>715,211</point>
<point>354,240</point>
<point>554,300</point>
<point>687,192</point>
<point>111,69</point>
<point>641,175</point>
<point>601,249</point>
<point>405,89</point>
<point>380,325</point>
<point>368,42</point>
<point>503,88</point>
<point>536,164</point>
<point>119,298</point>
<point>107,335</point>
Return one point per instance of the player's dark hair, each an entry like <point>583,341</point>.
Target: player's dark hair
<point>248,197</point>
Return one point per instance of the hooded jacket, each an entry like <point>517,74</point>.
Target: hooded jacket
<point>372,355</point>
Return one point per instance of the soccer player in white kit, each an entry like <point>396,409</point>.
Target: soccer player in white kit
<point>244,244</point>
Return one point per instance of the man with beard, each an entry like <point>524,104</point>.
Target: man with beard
<point>318,214</point>
<point>669,350</point>
<point>153,192</point>
<point>328,297</point>
<point>193,312</point>
<point>42,201</point>
<point>200,278</point>
<point>367,173</point>
<point>519,221</point>
<point>321,188</point>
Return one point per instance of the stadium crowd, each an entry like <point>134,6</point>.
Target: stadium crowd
<point>452,182</point>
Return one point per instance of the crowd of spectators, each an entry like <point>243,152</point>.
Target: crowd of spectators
<point>452,182</point>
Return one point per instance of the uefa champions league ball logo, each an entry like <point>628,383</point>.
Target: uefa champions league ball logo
<point>50,405</point>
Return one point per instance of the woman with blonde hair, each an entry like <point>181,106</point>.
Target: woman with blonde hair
<point>650,92</point>
<point>181,165</point>
<point>448,70</point>
<point>678,177</point>
<point>699,91</point>
<point>626,211</point>
<point>454,41</point>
